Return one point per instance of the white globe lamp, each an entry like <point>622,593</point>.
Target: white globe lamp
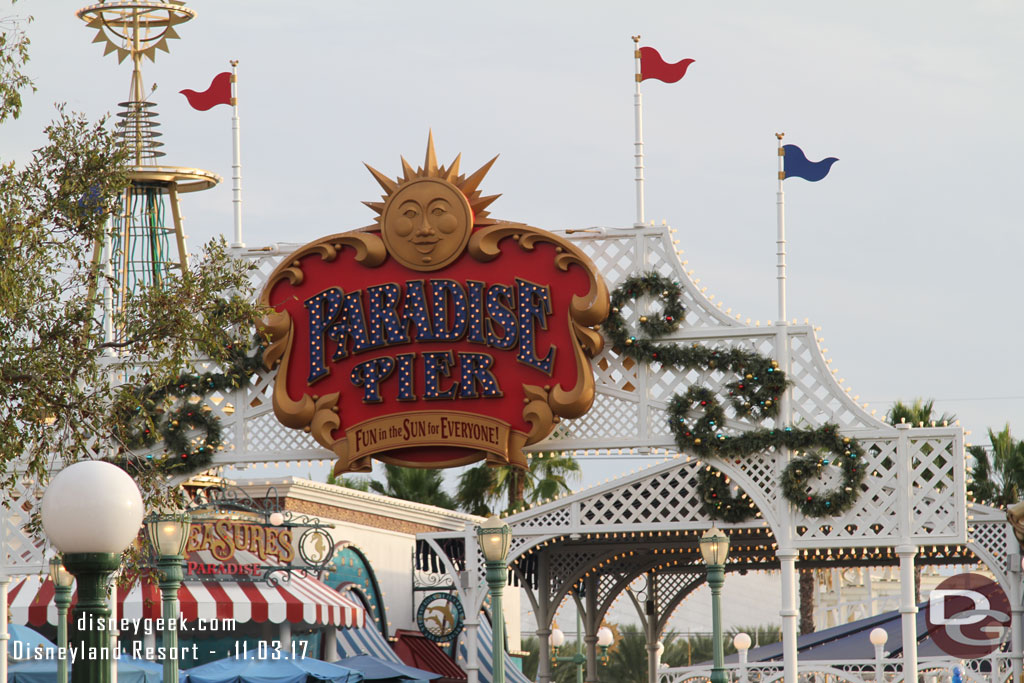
<point>92,511</point>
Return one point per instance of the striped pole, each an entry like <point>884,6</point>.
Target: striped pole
<point>780,240</point>
<point>638,154</point>
<point>236,165</point>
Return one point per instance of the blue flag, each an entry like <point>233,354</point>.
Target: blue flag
<point>796,165</point>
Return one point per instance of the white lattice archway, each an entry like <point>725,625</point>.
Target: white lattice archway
<point>913,496</point>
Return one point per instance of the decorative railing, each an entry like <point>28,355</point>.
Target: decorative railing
<point>996,668</point>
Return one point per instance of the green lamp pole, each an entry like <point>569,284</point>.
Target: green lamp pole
<point>495,539</point>
<point>168,535</point>
<point>62,581</point>
<point>714,546</point>
<point>91,512</point>
<point>605,637</point>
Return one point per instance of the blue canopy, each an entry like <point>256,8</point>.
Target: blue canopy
<point>377,669</point>
<point>24,642</point>
<point>129,670</point>
<point>277,667</point>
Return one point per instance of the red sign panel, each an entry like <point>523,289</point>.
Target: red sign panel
<point>436,337</point>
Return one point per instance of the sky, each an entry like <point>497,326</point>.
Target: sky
<point>906,255</point>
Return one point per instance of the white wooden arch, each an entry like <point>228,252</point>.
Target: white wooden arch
<point>900,506</point>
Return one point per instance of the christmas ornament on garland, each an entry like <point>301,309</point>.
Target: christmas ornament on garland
<point>754,395</point>
<point>173,411</point>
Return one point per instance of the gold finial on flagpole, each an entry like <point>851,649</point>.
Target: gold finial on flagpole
<point>636,39</point>
<point>780,135</point>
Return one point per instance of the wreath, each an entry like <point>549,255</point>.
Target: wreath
<point>697,417</point>
<point>173,411</point>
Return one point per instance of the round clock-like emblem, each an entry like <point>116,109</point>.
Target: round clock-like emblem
<point>440,617</point>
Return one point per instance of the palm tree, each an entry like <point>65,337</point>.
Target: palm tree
<point>481,488</point>
<point>917,414</point>
<point>416,484</point>
<point>998,481</point>
<point>357,483</point>
<point>627,658</point>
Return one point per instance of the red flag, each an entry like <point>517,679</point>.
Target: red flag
<point>219,92</point>
<point>653,66</point>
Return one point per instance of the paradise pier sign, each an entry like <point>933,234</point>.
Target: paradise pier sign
<point>436,337</point>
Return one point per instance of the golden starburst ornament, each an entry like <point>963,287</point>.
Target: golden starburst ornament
<point>136,28</point>
<point>428,213</point>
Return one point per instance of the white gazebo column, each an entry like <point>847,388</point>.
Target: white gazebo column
<point>651,626</point>
<point>1016,581</point>
<point>4,635</point>
<point>472,651</point>
<point>590,626</point>
<point>786,552</point>
<point>788,611</point>
<point>544,615</point>
<point>906,550</point>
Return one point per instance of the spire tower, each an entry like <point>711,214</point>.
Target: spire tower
<point>137,249</point>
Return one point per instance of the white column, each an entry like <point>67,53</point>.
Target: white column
<point>331,644</point>
<point>906,551</point>
<point>638,154</point>
<point>284,634</point>
<point>236,164</point>
<point>543,619</point>
<point>789,612</point>
<point>780,242</point>
<point>472,652</point>
<point>786,552</point>
<point>590,627</point>
<point>651,627</point>
<point>4,635</point>
<point>1016,596</point>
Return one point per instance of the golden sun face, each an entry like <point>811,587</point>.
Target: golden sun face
<point>427,216</point>
<point>426,224</point>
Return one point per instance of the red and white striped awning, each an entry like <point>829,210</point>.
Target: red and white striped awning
<point>298,599</point>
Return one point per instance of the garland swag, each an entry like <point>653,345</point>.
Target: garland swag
<point>170,412</point>
<point>754,395</point>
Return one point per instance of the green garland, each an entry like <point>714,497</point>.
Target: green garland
<point>754,394</point>
<point>170,412</point>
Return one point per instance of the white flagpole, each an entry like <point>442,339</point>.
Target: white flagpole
<point>236,166</point>
<point>780,242</point>
<point>639,144</point>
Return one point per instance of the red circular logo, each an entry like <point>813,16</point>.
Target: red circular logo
<point>968,616</point>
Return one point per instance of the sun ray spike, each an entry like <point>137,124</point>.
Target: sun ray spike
<point>385,182</point>
<point>480,204</point>
<point>473,181</point>
<point>453,171</point>
<point>410,173</point>
<point>430,161</point>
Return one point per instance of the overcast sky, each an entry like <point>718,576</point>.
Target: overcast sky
<point>907,254</point>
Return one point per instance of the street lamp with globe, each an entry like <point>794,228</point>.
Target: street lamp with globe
<point>495,540</point>
<point>714,547</point>
<point>91,512</point>
<point>168,536</point>
<point>62,580</point>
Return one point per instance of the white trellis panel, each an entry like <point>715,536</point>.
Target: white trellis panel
<point>629,413</point>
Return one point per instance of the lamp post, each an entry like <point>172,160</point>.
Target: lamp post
<point>168,534</point>
<point>714,547</point>
<point>91,512</point>
<point>878,636</point>
<point>495,539</point>
<point>741,641</point>
<point>62,581</point>
<point>605,638</point>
